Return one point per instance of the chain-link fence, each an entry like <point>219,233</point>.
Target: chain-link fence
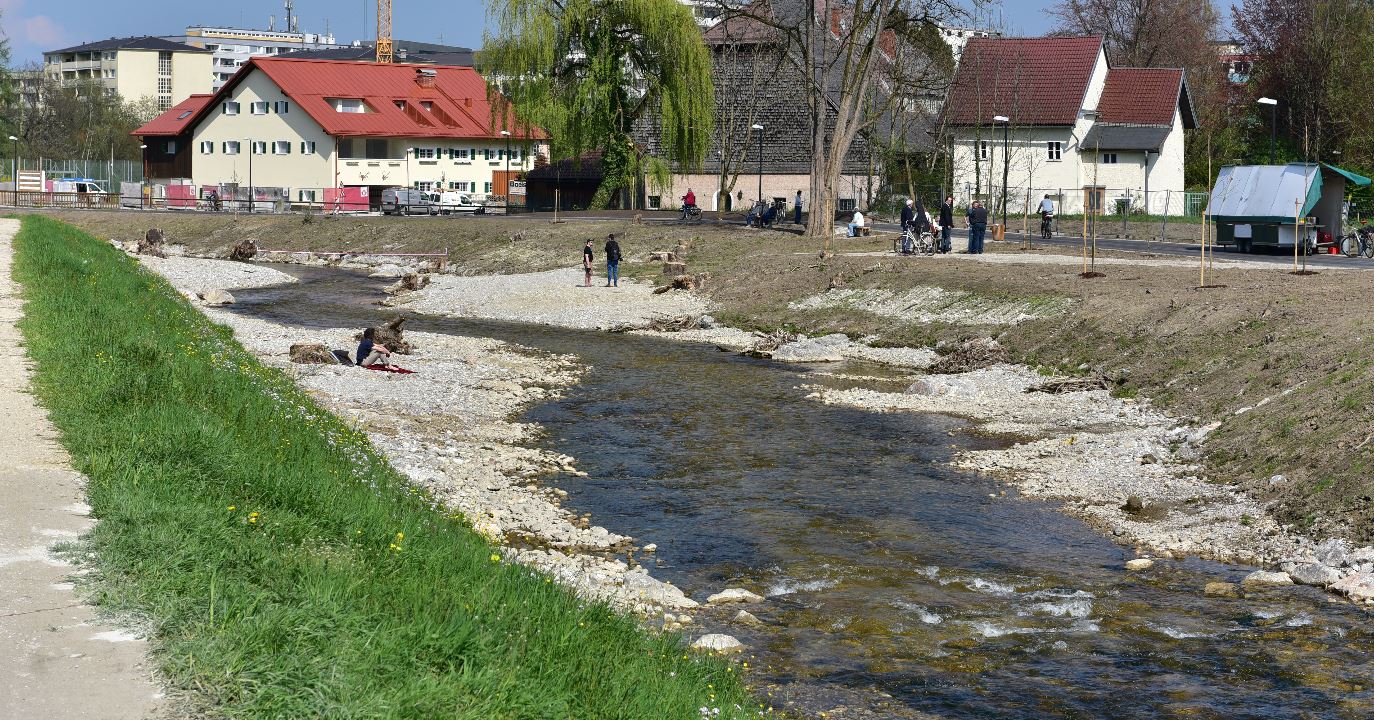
<point>108,174</point>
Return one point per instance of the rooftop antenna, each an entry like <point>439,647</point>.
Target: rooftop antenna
<point>271,23</point>
<point>291,19</point>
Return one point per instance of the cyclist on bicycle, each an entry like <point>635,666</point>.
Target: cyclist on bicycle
<point>1046,216</point>
<point>689,202</point>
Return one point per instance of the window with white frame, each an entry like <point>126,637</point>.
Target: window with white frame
<point>280,107</point>
<point>171,147</point>
<point>424,186</point>
<point>230,147</point>
<point>308,147</point>
<point>424,153</point>
<point>982,149</point>
<point>259,147</point>
<point>258,108</point>
<point>461,186</point>
<point>207,147</point>
<point>308,196</point>
<point>654,201</point>
<point>462,153</point>
<point>1109,158</point>
<point>1054,150</point>
<point>231,108</point>
<point>281,147</point>
<point>349,105</point>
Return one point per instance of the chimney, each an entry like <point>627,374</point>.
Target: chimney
<point>424,77</point>
<point>467,102</point>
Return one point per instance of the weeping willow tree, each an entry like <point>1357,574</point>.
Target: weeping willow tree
<point>588,70</point>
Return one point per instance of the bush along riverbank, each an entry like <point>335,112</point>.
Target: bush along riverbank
<point>279,565</point>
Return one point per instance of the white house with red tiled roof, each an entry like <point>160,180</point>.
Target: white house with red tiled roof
<point>1076,128</point>
<point>313,126</point>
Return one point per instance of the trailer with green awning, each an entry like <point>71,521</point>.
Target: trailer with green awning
<point>1260,205</point>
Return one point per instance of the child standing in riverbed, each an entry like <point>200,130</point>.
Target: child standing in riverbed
<point>587,258</point>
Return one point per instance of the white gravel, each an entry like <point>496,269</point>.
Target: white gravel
<point>446,428</point>
<point>1092,452</point>
<point>556,297</point>
<point>933,304</point>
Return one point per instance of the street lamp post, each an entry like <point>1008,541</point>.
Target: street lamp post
<point>15,172</point>
<point>506,135</point>
<point>1273,128</point>
<point>142,190</point>
<point>759,128</point>
<point>1006,163</point>
<point>251,189</point>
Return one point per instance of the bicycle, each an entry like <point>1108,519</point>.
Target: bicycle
<point>691,213</point>
<point>914,243</point>
<point>1046,225</point>
<point>1359,242</point>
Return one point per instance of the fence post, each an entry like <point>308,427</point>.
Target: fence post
<point>1164,220</point>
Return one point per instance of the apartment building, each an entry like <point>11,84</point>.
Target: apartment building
<point>134,68</point>
<point>231,48</point>
<point>311,126</point>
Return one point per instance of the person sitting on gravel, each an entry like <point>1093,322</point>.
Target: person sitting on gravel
<point>371,353</point>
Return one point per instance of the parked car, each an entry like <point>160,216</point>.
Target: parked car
<point>76,185</point>
<point>457,202</point>
<point>404,201</point>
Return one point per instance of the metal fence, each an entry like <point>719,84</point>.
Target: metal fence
<point>108,174</point>
<point>1101,201</point>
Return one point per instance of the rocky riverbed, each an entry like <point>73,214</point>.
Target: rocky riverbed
<point>1117,463</point>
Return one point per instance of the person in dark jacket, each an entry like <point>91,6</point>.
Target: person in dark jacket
<point>946,222</point>
<point>612,261</point>
<point>977,227</point>
<point>587,258</point>
<point>908,226</point>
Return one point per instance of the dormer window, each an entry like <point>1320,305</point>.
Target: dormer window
<point>427,105</point>
<point>348,105</point>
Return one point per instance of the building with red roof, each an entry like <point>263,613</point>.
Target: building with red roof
<point>1076,129</point>
<point>301,126</point>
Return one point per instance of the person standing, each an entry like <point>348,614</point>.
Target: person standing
<point>946,222</point>
<point>796,209</point>
<point>587,258</point>
<point>908,223</point>
<point>612,261</point>
<point>977,227</point>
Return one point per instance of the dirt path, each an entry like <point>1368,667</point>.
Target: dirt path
<point>61,662</point>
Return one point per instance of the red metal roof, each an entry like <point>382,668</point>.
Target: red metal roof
<point>402,100</point>
<point>1140,96</point>
<point>176,120</point>
<point>1033,81</point>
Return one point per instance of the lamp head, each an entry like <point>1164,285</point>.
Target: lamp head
<point>1267,101</point>
<point>756,126</point>
<point>1000,118</point>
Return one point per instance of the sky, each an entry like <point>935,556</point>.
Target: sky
<point>34,26</point>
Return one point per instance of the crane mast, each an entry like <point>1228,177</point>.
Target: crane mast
<point>384,52</point>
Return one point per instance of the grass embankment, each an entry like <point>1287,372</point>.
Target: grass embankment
<point>283,568</point>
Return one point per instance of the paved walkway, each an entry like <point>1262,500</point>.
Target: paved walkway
<point>59,661</point>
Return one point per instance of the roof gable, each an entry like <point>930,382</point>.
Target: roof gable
<point>1034,81</point>
<point>456,97</point>
<point>177,119</point>
<point>1142,96</point>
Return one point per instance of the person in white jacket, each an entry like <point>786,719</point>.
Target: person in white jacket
<point>856,223</point>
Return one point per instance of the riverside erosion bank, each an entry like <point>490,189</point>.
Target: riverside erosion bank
<point>447,429</point>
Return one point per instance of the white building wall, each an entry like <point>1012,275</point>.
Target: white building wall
<point>325,167</point>
<point>293,170</point>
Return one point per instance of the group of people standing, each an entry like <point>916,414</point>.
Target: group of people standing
<point>918,220</point>
<point>613,258</point>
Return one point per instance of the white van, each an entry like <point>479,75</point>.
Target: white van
<point>457,202</point>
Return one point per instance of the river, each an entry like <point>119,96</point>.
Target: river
<point>888,574</point>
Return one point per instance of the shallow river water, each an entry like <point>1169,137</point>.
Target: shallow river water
<point>887,573</point>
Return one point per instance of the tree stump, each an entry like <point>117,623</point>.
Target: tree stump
<point>673,269</point>
<point>244,251</point>
<point>152,243</point>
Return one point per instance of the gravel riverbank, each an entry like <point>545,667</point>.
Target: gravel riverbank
<point>447,428</point>
<point>1117,463</point>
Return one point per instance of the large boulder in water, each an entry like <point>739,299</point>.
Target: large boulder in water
<point>215,298</point>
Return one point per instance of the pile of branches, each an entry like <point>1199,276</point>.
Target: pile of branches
<point>969,355</point>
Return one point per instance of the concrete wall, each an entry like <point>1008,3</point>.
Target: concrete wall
<point>136,75</point>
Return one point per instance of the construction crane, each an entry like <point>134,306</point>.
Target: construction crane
<point>384,53</point>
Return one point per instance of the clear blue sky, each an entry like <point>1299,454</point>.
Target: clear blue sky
<point>37,25</point>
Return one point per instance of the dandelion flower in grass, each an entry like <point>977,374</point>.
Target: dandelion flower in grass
<point>495,557</point>
<point>233,508</point>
